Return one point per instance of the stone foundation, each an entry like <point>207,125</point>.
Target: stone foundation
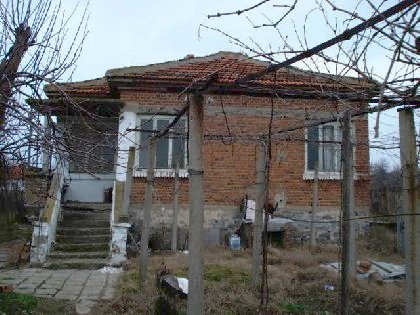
<point>327,225</point>
<point>218,222</point>
<point>221,221</point>
<point>214,216</point>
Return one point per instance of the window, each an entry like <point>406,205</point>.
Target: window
<point>322,146</point>
<point>169,150</point>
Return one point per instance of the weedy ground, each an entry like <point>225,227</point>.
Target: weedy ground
<point>23,304</point>
<point>295,279</point>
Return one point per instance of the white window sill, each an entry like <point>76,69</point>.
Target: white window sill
<point>310,175</point>
<point>162,173</point>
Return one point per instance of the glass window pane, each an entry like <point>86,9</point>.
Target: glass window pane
<point>178,144</point>
<point>162,146</point>
<point>312,147</point>
<point>145,124</point>
<point>328,156</point>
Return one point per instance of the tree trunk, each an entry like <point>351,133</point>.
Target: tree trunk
<point>10,65</point>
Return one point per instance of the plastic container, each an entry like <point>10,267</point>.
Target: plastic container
<point>234,242</point>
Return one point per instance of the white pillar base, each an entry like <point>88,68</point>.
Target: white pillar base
<point>119,243</point>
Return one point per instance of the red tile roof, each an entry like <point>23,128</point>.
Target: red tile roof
<point>228,68</point>
<point>90,88</point>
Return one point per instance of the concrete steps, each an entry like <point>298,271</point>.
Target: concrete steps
<point>79,215</point>
<point>81,247</point>
<point>72,255</point>
<point>82,239</point>
<point>77,263</point>
<point>82,231</point>
<point>85,223</point>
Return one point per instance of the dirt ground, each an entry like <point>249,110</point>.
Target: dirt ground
<point>295,279</point>
<point>13,238</point>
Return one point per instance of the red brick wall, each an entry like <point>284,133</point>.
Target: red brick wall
<point>230,169</point>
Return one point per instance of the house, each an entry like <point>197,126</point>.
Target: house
<point>102,118</point>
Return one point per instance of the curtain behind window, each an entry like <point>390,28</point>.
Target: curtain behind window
<point>328,153</point>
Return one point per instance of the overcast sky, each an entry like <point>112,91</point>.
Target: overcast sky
<point>136,32</point>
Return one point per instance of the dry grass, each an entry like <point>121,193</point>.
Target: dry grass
<point>379,244</point>
<point>296,285</point>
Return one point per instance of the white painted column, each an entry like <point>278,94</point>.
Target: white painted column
<point>128,119</point>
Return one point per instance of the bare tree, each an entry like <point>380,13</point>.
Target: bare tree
<point>38,46</point>
<point>358,34</point>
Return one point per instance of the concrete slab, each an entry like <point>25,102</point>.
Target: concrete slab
<point>86,287</point>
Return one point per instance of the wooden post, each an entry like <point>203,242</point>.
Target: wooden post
<point>314,205</point>
<point>196,217</point>
<point>410,207</point>
<point>174,244</point>
<point>148,203</point>
<point>348,256</point>
<point>128,184</point>
<point>259,213</point>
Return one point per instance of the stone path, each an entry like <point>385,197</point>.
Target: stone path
<point>85,287</point>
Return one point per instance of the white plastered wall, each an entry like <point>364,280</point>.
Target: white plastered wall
<point>128,119</point>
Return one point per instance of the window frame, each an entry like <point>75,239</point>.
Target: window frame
<point>328,175</point>
<point>161,172</point>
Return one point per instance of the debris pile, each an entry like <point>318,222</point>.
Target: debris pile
<point>372,270</point>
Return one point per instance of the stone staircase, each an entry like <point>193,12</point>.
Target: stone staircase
<point>82,238</point>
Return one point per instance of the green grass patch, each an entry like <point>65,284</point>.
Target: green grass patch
<point>218,273</point>
<point>12,303</point>
<point>24,304</point>
<point>292,308</point>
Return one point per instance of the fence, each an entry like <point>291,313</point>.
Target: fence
<point>385,201</point>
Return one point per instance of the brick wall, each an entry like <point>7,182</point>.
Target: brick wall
<point>36,189</point>
<point>230,170</point>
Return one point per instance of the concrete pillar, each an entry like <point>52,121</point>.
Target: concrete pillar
<point>410,207</point>
<point>148,202</point>
<point>314,205</point>
<point>196,217</point>
<point>259,213</point>
<point>174,244</point>
<point>348,259</point>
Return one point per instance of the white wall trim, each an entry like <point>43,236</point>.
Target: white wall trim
<point>164,173</point>
<point>310,175</point>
